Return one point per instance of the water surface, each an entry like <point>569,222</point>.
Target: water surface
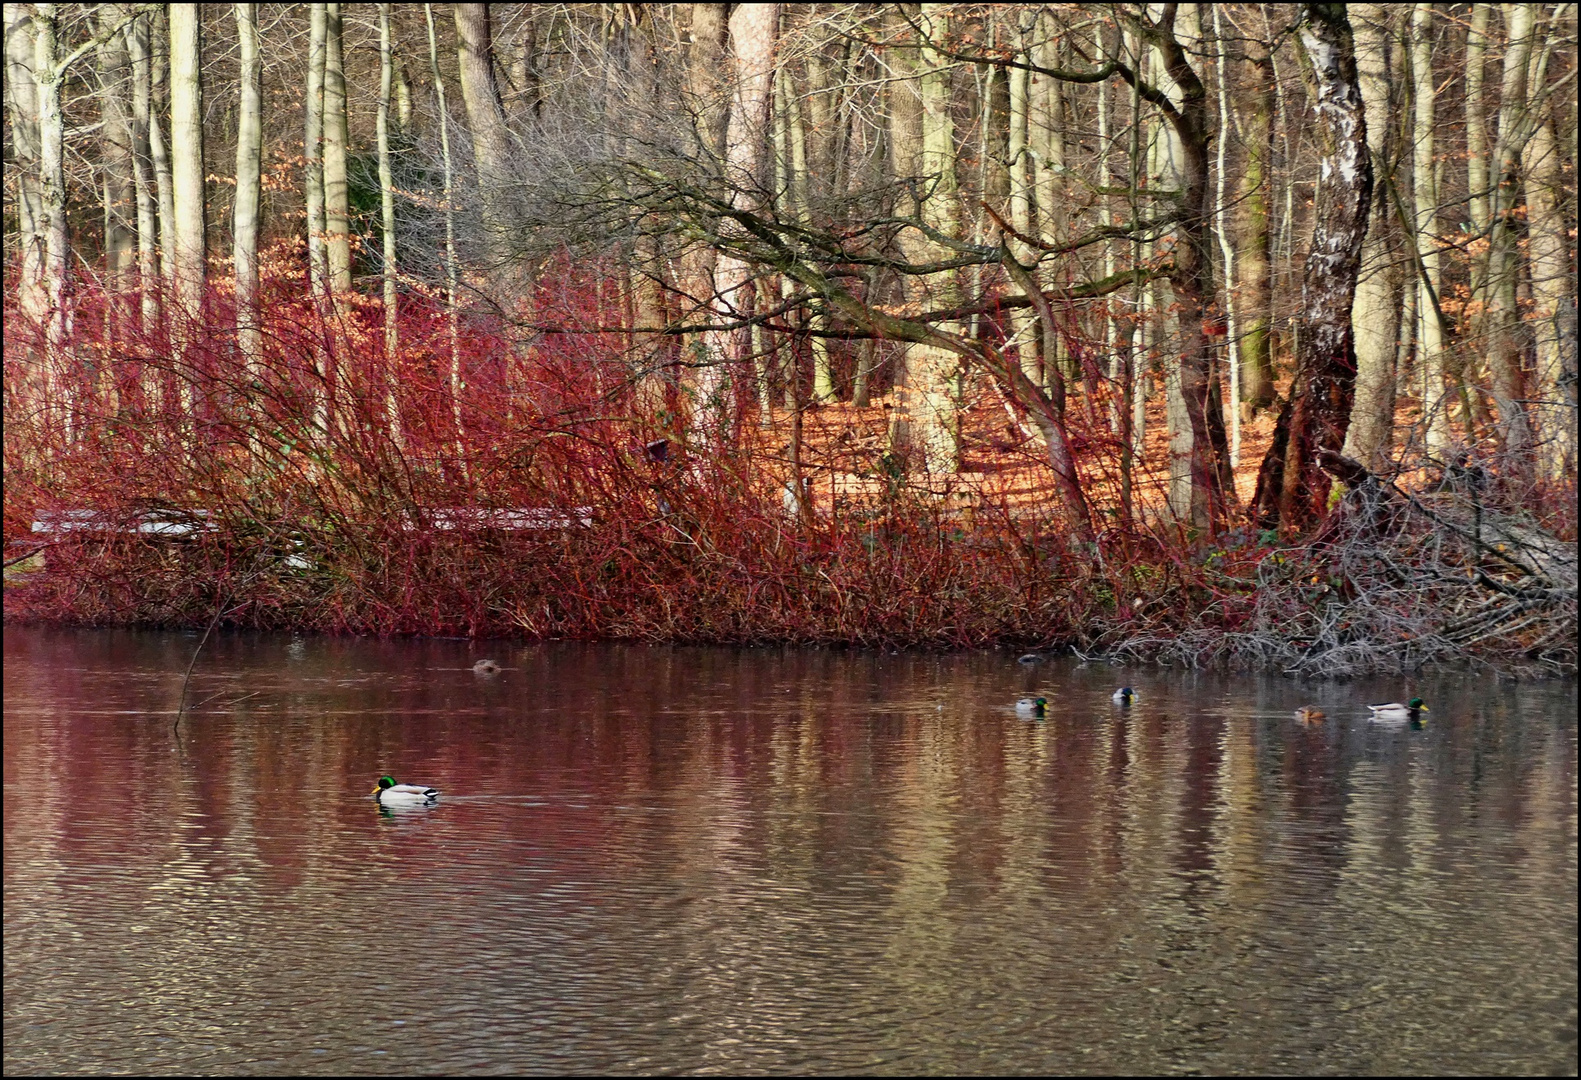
<point>771,861</point>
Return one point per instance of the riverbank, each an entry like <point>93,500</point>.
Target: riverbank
<point>1394,582</point>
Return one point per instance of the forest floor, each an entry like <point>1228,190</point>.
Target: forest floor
<point>843,448</point>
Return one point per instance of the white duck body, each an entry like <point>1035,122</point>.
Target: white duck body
<point>389,793</point>
<point>1395,711</point>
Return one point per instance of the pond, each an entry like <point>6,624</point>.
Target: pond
<point>772,861</point>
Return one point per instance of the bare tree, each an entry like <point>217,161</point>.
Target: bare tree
<point>1292,488</point>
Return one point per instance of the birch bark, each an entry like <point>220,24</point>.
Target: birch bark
<point>1292,489</point>
<point>249,189</point>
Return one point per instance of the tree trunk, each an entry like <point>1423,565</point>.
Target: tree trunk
<point>1292,490</point>
<point>1477,116</point>
<point>1254,237</point>
<point>798,175</point>
<point>313,156</point>
<point>929,399</point>
<point>903,106</point>
<point>1377,309</point>
<point>1191,278</point>
<point>188,242</point>
<point>705,99</point>
<point>337,205</point>
<point>1023,321</point>
<point>452,276</point>
<point>159,146</point>
<point>143,175</point>
<point>491,145</point>
<point>22,99</point>
<point>754,29</point>
<point>1553,304</point>
<point>120,207</point>
<point>249,190</point>
<point>1046,127</point>
<point>52,222</point>
<point>1232,308</point>
<point>1501,317</point>
<point>392,334</point>
<point>1429,330</point>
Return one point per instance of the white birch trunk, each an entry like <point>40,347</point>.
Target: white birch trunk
<point>186,172</point>
<point>249,189</point>
<point>392,340</point>
<point>159,148</point>
<point>22,92</point>
<point>313,155</point>
<point>143,177</point>
<point>337,208</point>
<point>52,222</point>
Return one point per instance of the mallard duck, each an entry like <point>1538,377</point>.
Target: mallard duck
<point>1124,696</point>
<point>389,793</point>
<point>486,667</point>
<point>1032,706</point>
<point>1309,714</point>
<point>1411,710</point>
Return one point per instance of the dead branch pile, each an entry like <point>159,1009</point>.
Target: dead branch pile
<point>1395,581</point>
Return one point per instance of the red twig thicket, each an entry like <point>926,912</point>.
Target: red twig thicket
<point>489,481</point>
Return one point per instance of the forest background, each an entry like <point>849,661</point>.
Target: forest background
<point>1237,333</point>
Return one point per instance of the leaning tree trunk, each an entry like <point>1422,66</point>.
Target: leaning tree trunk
<point>1292,489</point>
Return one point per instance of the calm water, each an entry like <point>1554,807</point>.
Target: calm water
<point>695,860</point>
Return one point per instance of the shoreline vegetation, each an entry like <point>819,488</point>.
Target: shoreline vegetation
<point>1218,335</point>
<point>597,528</point>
